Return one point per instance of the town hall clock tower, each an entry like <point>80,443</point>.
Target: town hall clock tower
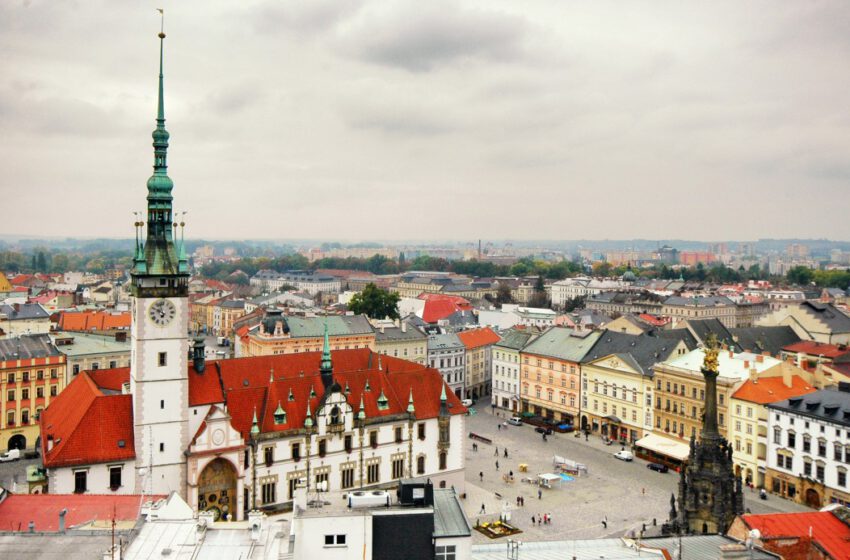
<point>159,331</point>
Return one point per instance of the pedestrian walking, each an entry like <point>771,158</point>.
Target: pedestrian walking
<point>499,426</point>
<point>586,436</point>
<point>497,464</point>
<point>512,474</point>
<point>481,476</point>
<point>533,520</point>
<point>604,524</point>
<point>522,501</point>
<point>483,510</point>
<point>517,501</point>
<point>549,518</point>
<point>506,453</point>
<point>539,494</point>
<point>496,453</point>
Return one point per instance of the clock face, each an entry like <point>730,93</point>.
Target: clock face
<point>162,312</point>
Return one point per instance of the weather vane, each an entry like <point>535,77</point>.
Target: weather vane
<point>161,23</point>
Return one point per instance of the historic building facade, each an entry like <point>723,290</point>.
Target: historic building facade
<point>233,435</point>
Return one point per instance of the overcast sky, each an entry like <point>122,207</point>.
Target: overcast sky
<point>358,120</point>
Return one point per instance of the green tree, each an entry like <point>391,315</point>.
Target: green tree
<point>503,294</point>
<point>375,302</point>
<point>801,275</point>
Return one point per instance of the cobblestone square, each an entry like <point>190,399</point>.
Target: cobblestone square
<point>624,494</point>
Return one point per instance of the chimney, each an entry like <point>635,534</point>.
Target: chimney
<point>198,358</point>
<point>403,327</point>
<point>731,354</point>
<point>62,515</point>
<point>754,375</point>
<point>382,329</point>
<point>746,364</point>
<point>49,443</point>
<point>760,359</point>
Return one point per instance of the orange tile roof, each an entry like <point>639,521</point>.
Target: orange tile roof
<point>817,349</point>
<point>17,510</point>
<point>440,306</point>
<point>478,337</point>
<point>87,426</point>
<point>93,320</point>
<point>825,529</point>
<point>110,379</point>
<point>772,389</point>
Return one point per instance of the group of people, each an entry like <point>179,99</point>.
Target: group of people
<point>541,519</point>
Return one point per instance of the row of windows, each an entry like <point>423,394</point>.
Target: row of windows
<point>26,419</point>
<point>507,357</point>
<point>25,393</point>
<point>81,479</point>
<point>682,390</point>
<point>348,444</point>
<point>818,472</point>
<point>838,432</point>
<point>551,365</point>
<point>538,377</point>
<point>615,390</point>
<point>840,451</point>
<point>25,376</point>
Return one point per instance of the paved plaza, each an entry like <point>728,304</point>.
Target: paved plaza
<point>625,495</point>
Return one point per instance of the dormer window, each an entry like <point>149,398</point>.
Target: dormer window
<point>279,415</point>
<point>291,396</point>
<point>383,403</point>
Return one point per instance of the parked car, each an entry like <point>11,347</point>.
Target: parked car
<point>543,430</point>
<point>624,455</point>
<point>467,402</point>
<point>658,467</point>
<point>515,421</point>
<point>11,455</point>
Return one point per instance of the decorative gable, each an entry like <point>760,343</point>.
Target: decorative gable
<point>216,433</point>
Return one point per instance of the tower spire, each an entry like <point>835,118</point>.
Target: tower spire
<point>161,254</point>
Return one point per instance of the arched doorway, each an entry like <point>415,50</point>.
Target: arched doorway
<point>217,489</point>
<point>812,498</point>
<point>584,427</point>
<point>17,441</point>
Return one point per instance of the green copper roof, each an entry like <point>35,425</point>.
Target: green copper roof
<point>308,422</point>
<point>255,429</point>
<point>410,408</point>
<point>361,415</point>
<point>159,256</point>
<point>326,352</point>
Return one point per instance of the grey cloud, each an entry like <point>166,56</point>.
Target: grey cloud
<point>423,36</point>
<point>304,18</point>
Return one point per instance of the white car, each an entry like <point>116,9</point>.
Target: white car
<point>11,455</point>
<point>624,455</point>
<point>515,421</point>
<point>467,402</point>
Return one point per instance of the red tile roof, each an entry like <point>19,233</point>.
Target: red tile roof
<point>812,348</point>
<point>826,529</point>
<point>440,306</point>
<point>772,389</point>
<point>93,320</point>
<point>110,379</point>
<point>476,338</point>
<point>17,510</point>
<point>247,386</point>
<point>203,388</point>
<point>87,426</point>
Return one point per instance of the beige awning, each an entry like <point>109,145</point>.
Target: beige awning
<point>665,446</point>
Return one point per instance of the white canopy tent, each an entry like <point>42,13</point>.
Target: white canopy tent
<point>546,479</point>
